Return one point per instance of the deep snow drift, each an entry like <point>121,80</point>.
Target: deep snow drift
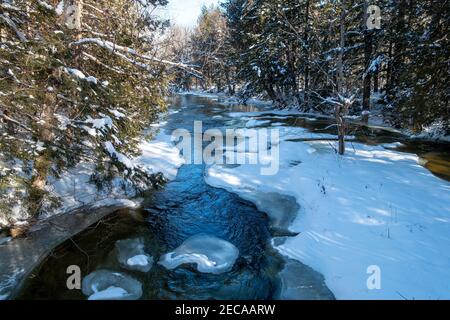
<point>209,253</point>
<point>371,207</point>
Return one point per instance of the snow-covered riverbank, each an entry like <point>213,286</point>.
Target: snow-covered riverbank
<point>75,188</point>
<point>372,207</point>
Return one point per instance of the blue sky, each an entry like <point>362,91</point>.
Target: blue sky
<point>186,12</point>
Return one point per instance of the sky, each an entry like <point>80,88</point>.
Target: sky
<point>186,12</point>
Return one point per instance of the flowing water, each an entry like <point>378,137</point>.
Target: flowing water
<point>188,207</point>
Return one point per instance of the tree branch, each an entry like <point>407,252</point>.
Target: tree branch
<point>13,26</point>
<point>114,48</point>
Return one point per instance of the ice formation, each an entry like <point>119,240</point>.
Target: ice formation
<point>131,255</point>
<point>209,253</point>
<point>110,285</point>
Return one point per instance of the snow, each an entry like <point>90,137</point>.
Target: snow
<point>131,255</point>
<point>139,260</point>
<point>209,253</point>
<point>60,8</point>
<point>75,72</point>
<point>45,5</point>
<point>101,124</point>
<point>92,79</point>
<point>371,207</point>
<point>132,204</point>
<point>436,131</point>
<point>160,155</point>
<point>226,99</point>
<point>127,162</point>
<point>374,65</point>
<point>111,293</point>
<point>110,285</point>
<point>117,113</point>
<point>80,75</point>
<point>75,189</point>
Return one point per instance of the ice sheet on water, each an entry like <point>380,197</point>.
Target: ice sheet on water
<point>281,208</point>
<point>110,285</point>
<point>111,293</point>
<point>300,282</point>
<point>141,260</point>
<point>131,255</point>
<point>209,253</point>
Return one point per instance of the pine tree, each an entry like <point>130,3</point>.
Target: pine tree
<point>79,83</point>
<point>288,50</point>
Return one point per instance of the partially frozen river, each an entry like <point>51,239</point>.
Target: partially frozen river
<point>210,243</point>
<point>187,207</point>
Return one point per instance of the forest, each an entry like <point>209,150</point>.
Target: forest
<point>77,75</point>
<point>310,55</point>
<point>91,90</point>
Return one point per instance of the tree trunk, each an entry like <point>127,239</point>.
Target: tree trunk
<point>43,161</point>
<point>367,61</point>
<point>219,84</point>
<point>293,90</point>
<point>376,84</point>
<point>388,85</point>
<point>339,109</point>
<point>306,54</point>
<point>399,44</point>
